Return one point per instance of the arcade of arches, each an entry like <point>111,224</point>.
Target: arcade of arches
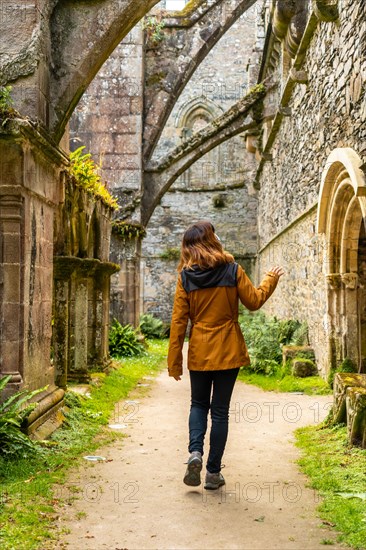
<point>250,113</point>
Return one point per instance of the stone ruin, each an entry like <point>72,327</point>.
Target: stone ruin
<point>299,126</point>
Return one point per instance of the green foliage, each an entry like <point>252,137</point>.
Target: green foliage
<point>283,381</point>
<point>128,230</point>
<point>347,365</point>
<point>123,341</point>
<point>170,254</point>
<point>6,102</point>
<point>265,337</point>
<point>30,501</point>
<point>85,174</point>
<point>152,327</point>
<point>154,29</point>
<point>300,335</point>
<point>13,412</point>
<point>337,471</point>
<point>6,105</point>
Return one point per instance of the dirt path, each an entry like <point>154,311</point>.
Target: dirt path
<point>138,501</point>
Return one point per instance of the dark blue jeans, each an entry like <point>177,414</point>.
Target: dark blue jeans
<point>202,382</point>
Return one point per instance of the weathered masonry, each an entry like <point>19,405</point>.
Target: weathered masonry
<point>297,139</point>
<point>304,164</point>
<point>54,239</point>
<point>311,173</point>
<point>54,253</point>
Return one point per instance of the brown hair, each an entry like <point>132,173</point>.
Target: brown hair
<point>201,247</point>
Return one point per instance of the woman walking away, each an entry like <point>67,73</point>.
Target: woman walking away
<point>210,284</point>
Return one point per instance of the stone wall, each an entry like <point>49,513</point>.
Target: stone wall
<point>326,113</point>
<point>108,119</point>
<point>235,223</point>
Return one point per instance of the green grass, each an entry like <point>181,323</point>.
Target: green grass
<point>335,467</point>
<point>313,385</point>
<point>27,498</point>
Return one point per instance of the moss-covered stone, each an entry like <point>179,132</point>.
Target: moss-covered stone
<point>343,381</point>
<point>356,415</point>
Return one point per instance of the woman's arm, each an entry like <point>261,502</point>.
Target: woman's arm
<point>178,329</point>
<point>254,297</point>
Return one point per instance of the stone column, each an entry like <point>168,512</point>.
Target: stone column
<point>125,295</point>
<point>100,339</point>
<point>63,270</point>
<point>11,280</point>
<point>333,329</point>
<point>80,319</point>
<point>350,317</point>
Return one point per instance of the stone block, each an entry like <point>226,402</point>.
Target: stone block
<point>303,368</point>
<point>290,352</point>
<point>356,415</point>
<point>343,381</point>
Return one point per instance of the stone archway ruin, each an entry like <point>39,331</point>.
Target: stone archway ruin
<point>341,217</point>
<point>58,49</point>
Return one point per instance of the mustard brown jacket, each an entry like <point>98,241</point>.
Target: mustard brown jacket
<point>210,299</point>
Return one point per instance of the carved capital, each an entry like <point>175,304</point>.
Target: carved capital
<point>333,281</point>
<point>350,280</point>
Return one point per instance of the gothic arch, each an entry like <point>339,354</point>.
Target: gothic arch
<point>341,219</point>
<point>201,107</point>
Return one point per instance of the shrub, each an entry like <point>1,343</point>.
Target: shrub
<point>151,326</point>
<point>123,341</point>
<point>265,337</point>
<point>13,412</point>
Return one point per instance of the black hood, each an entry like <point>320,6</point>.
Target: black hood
<point>196,278</point>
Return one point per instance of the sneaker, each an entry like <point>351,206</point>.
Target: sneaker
<point>192,476</point>
<point>214,481</point>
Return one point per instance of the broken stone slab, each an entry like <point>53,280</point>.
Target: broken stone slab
<point>303,368</point>
<point>343,381</point>
<point>356,415</point>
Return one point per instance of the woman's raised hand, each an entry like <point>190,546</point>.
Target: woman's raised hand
<point>278,270</point>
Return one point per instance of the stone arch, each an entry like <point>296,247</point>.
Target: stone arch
<point>194,115</point>
<point>341,219</point>
<point>198,107</point>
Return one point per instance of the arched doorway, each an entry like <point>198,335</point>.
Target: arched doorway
<point>341,218</point>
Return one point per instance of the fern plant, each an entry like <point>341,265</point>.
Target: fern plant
<point>265,337</point>
<point>123,341</point>
<point>6,105</point>
<point>13,412</point>
<point>151,326</point>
